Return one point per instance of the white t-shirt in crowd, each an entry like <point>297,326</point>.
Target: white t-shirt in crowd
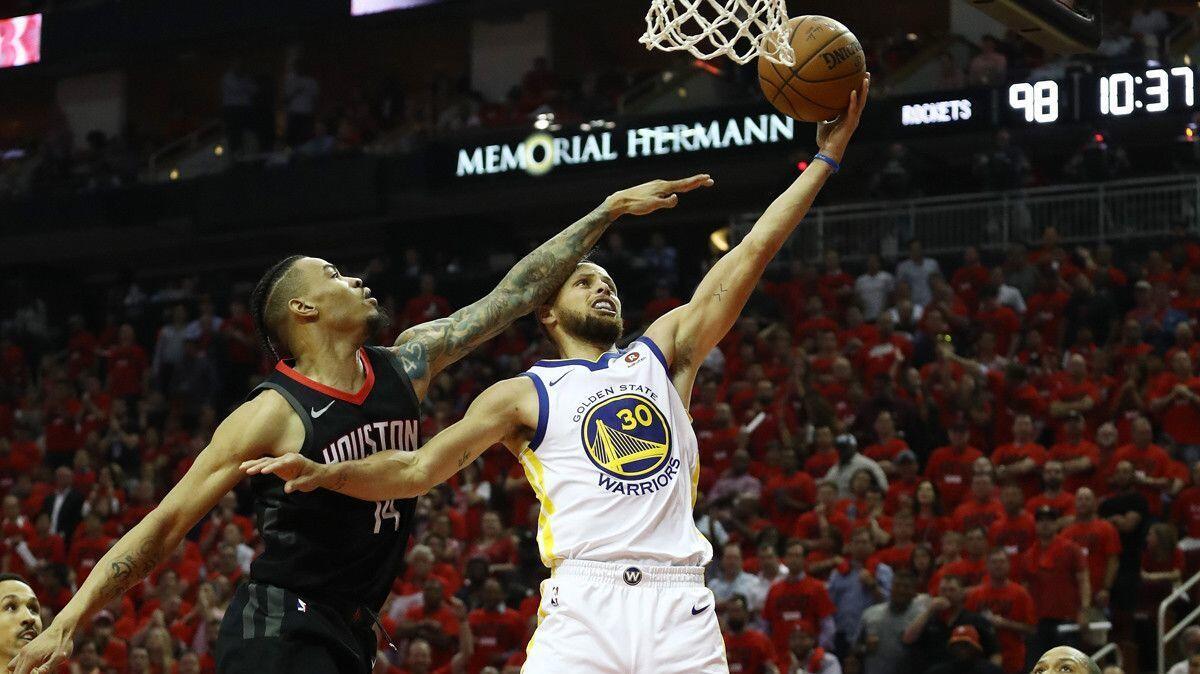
<point>873,291</point>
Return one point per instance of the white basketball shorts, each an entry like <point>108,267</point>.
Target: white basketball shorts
<point>604,618</point>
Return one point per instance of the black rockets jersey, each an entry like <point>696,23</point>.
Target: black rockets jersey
<point>322,545</point>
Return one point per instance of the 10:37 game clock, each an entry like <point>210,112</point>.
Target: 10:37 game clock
<point>1153,90</point>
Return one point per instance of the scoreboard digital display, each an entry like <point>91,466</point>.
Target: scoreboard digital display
<point>1149,92</point>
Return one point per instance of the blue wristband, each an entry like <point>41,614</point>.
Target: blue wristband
<point>828,160</point>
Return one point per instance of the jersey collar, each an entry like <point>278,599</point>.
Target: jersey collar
<point>353,398</point>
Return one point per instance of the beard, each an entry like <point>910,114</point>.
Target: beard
<point>378,321</point>
<point>600,330</point>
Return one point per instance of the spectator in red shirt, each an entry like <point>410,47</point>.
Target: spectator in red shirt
<point>1074,393</point>
<point>825,454</point>
<point>950,467</point>
<point>127,363</point>
<point>1020,459</point>
<point>748,650</point>
<point>1185,511</point>
<point>112,649</point>
<point>997,319</point>
<point>1174,397</point>
<point>1154,470</point>
<point>1046,308</point>
<point>798,601</point>
<point>436,621</point>
<point>1053,494</point>
<point>1055,571</point>
<point>663,302</point>
<point>971,566</point>
<point>969,279</point>
<point>426,306</point>
<point>1100,542</point>
<point>836,286</point>
<point>1015,531</point>
<point>902,488</point>
<point>1080,457</point>
<point>982,508</point>
<point>812,525</point>
<point>1008,606</point>
<point>498,630</point>
<point>887,444</point>
<point>790,493</point>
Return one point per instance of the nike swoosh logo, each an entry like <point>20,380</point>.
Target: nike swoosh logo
<point>315,413</point>
<point>559,379</point>
<point>698,611</point>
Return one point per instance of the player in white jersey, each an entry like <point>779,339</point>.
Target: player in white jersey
<point>608,447</point>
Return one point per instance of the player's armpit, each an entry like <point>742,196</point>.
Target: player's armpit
<point>505,412</point>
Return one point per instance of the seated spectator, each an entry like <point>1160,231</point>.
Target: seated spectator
<point>849,463</point>
<point>732,581</point>
<point>798,602</point>
<point>858,583</point>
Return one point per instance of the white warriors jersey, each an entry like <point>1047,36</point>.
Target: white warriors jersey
<point>614,461</point>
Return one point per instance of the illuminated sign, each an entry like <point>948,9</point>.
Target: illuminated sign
<point>541,152</point>
<point>20,40</point>
<point>939,112</point>
<point>361,7</point>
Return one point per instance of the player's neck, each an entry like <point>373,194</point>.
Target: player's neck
<point>332,363</point>
<point>572,348</point>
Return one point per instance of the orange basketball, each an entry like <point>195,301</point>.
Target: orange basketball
<point>829,65</point>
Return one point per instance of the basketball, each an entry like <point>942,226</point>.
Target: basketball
<point>829,65</point>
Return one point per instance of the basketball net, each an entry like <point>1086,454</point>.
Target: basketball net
<point>739,29</point>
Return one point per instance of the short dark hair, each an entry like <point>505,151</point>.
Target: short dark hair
<point>13,576</point>
<point>265,310</point>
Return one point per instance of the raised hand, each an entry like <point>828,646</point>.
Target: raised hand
<point>297,472</point>
<point>834,136</point>
<point>45,654</point>
<point>652,196</point>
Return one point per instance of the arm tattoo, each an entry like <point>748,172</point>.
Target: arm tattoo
<point>462,460</point>
<point>338,482</point>
<point>430,347</point>
<point>130,568</point>
<point>719,295</point>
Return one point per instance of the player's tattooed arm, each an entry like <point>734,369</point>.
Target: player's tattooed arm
<point>428,348</point>
<point>129,568</point>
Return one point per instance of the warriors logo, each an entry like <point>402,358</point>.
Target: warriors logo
<point>627,437</point>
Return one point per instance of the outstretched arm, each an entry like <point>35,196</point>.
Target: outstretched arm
<point>256,428</point>
<point>429,348</point>
<point>506,412</point>
<point>688,333</point>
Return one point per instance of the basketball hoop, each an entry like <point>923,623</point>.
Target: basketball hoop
<point>739,29</point>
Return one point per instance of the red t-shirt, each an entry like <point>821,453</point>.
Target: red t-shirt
<point>951,471</point>
<point>1154,462</point>
<point>447,621</point>
<point>1000,321</point>
<point>895,556</point>
<point>973,513</point>
<point>1066,451</point>
<point>808,526</point>
<point>1048,310</point>
<point>1098,540</point>
<point>1180,419</point>
<point>1008,600</point>
<point>748,651</point>
<point>886,451</point>
<point>799,486</point>
<point>424,308</point>
<point>1185,512</point>
<point>496,633</point>
<point>972,571</point>
<point>791,603</point>
<point>1049,572</point>
<point>1013,453</point>
<point>819,463</point>
<point>126,364</point>
<point>1014,534</point>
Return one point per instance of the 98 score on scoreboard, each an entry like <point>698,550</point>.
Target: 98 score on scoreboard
<point>1116,94</point>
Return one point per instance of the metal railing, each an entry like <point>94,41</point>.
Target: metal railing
<point>1164,635</point>
<point>1110,211</point>
<point>1107,650</point>
<point>188,142</point>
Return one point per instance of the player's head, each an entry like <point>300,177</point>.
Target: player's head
<point>302,300</point>
<point>20,615</point>
<point>586,308</point>
<point>1066,660</point>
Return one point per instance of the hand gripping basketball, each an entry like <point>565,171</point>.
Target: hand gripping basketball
<point>833,136</point>
<point>45,653</point>
<point>297,472</point>
<point>652,196</point>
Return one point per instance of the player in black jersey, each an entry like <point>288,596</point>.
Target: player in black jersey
<point>312,595</point>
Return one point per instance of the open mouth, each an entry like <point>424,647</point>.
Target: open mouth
<point>28,635</point>
<point>368,296</point>
<point>605,306</point>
